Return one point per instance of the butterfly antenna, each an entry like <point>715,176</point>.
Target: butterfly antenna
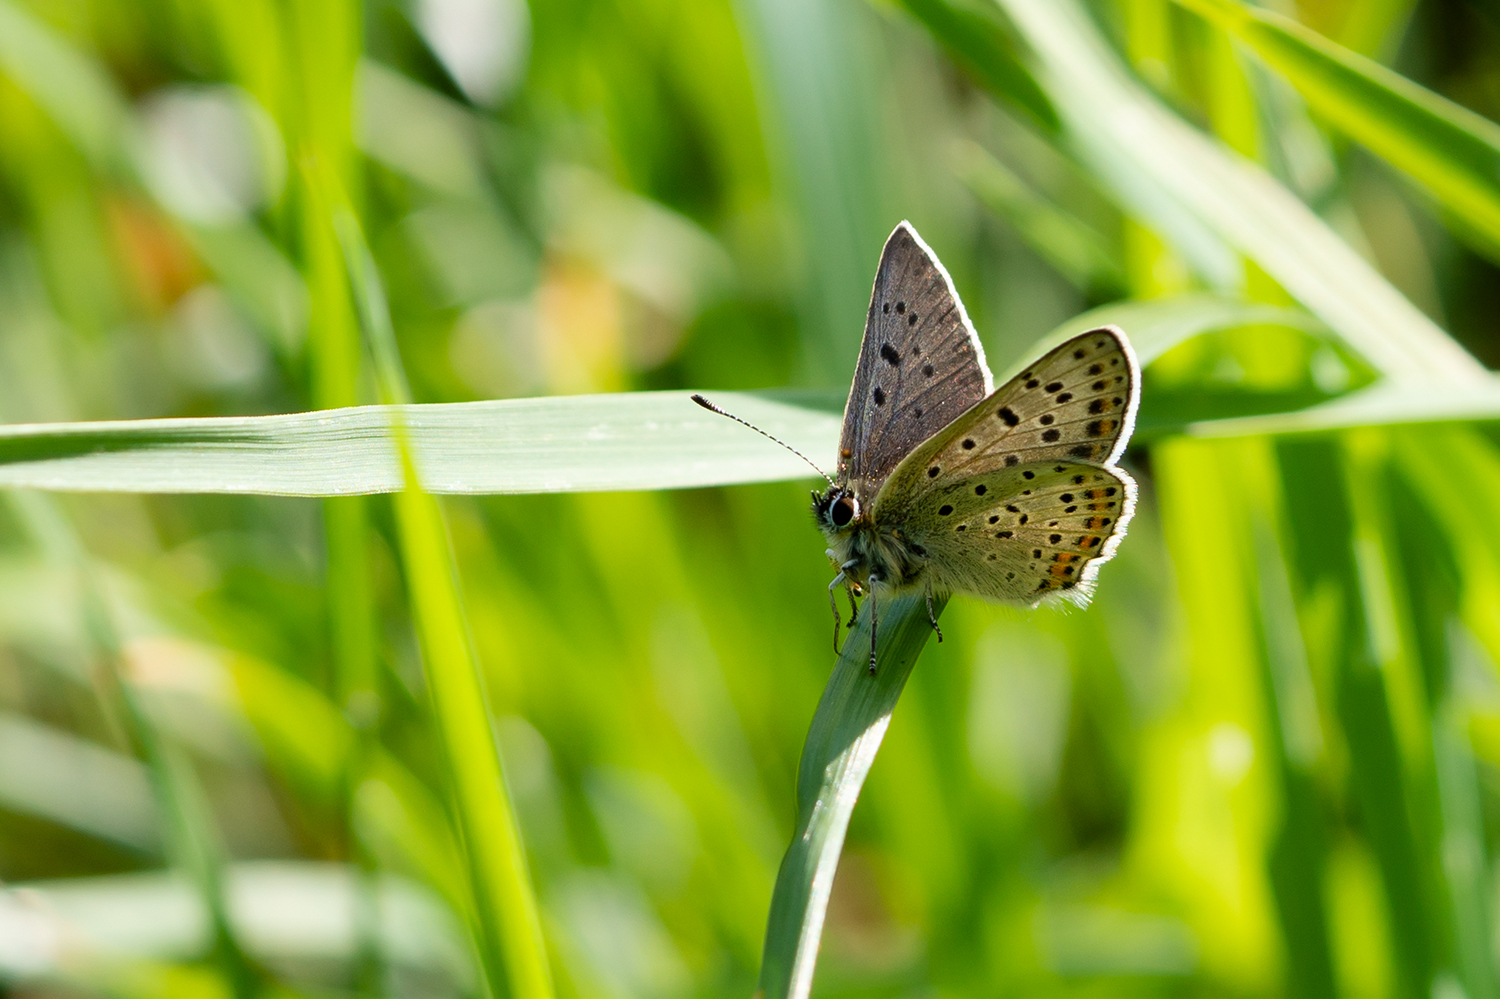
<point>724,412</point>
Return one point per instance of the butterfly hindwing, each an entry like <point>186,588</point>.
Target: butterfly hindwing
<point>1023,533</point>
<point>920,364</point>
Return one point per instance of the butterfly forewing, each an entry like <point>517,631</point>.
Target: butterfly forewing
<point>920,365</point>
<point>1075,404</point>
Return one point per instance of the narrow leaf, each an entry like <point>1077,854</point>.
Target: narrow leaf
<point>1378,405</point>
<point>645,440</point>
<point>508,927</point>
<point>70,85</point>
<point>1448,149</point>
<point>1161,168</point>
<point>836,758</point>
<point>1157,325</point>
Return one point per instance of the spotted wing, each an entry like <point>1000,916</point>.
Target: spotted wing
<point>1024,534</point>
<point>1015,454</point>
<point>920,365</point>
<point>1077,403</point>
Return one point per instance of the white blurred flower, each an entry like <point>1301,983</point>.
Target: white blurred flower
<point>210,154</point>
<point>482,43</point>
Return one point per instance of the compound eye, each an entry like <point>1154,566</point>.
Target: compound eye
<point>842,512</point>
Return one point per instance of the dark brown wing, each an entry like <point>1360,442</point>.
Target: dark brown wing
<point>920,365</point>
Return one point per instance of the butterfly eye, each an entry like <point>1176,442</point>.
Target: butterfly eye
<point>842,511</point>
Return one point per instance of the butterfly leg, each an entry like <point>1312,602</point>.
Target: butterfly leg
<point>849,588</point>
<point>874,621</point>
<point>932,618</point>
<point>833,604</point>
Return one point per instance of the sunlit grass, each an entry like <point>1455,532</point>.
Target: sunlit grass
<point>544,734</point>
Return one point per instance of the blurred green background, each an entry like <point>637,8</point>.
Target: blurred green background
<point>1265,762</point>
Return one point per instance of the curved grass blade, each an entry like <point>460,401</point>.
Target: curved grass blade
<point>841,745</point>
<point>973,33</point>
<point>1379,405</point>
<point>76,783</point>
<point>628,441</point>
<point>1157,325</point>
<point>643,440</point>
<point>72,87</point>
<point>1448,149</point>
<point>1183,184</point>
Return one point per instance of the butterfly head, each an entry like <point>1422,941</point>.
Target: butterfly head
<point>835,509</point>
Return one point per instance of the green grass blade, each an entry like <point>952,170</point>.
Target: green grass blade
<point>1073,248</point>
<point>71,86</point>
<point>1162,169</point>
<point>192,841</point>
<point>271,896</point>
<point>819,83</point>
<point>76,783</point>
<point>643,440</point>
<point>841,745</point>
<point>1157,325</point>
<point>1379,405</point>
<point>973,34</point>
<point>1448,149</point>
<point>1432,560</point>
<point>508,933</point>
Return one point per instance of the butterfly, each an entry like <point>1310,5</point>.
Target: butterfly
<point>948,485</point>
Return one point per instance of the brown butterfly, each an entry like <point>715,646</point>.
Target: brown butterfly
<point>947,486</point>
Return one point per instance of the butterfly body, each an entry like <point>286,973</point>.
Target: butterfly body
<point>863,548</point>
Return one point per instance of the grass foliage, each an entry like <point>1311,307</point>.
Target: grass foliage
<point>463,685</point>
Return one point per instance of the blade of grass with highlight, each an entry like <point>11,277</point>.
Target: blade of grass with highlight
<point>640,440</point>
<point>1448,149</point>
<point>1194,192</point>
<point>512,953</point>
<point>71,86</point>
<point>604,443</point>
<point>1379,405</point>
<point>1157,325</point>
<point>846,733</point>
